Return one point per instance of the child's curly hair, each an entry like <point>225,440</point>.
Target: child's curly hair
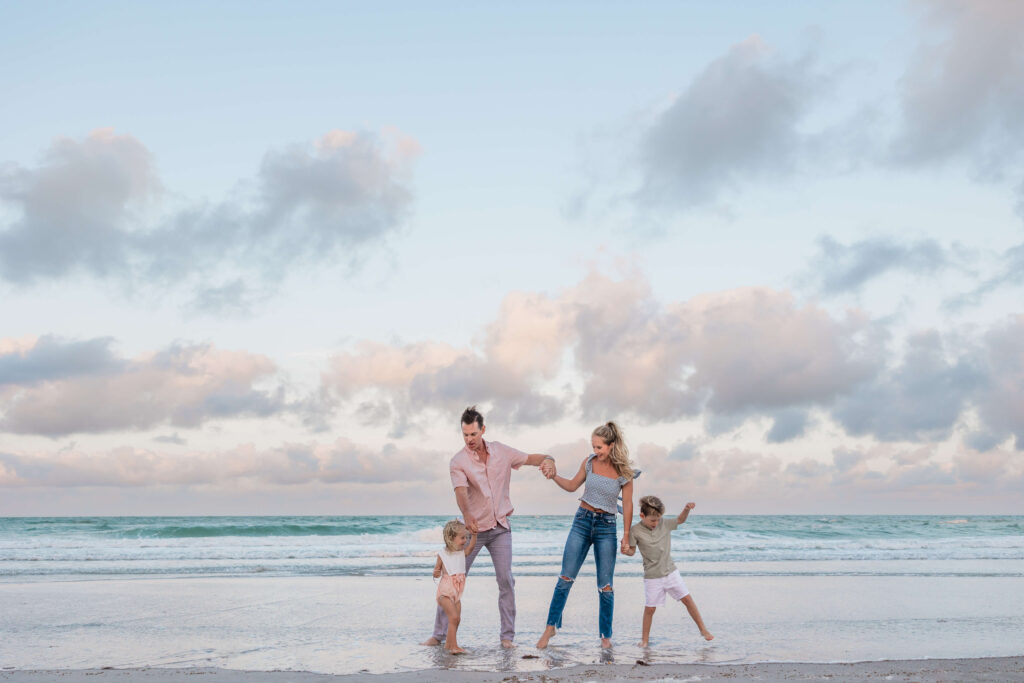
<point>451,530</point>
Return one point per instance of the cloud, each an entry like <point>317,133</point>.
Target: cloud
<point>787,425</point>
<point>839,268</point>
<point>732,353</point>
<point>1001,404</point>
<point>81,211</point>
<point>79,208</point>
<point>738,120</point>
<point>922,398</point>
<point>68,387</point>
<point>49,358</point>
<point>340,462</point>
<point>963,92</point>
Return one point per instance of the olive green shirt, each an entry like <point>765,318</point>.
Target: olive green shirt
<point>655,546</point>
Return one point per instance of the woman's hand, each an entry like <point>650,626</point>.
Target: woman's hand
<point>624,547</point>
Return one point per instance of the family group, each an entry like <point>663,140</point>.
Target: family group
<point>480,475</point>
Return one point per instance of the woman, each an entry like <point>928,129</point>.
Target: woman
<point>606,474</point>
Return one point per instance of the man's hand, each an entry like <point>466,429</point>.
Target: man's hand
<point>548,469</point>
<point>689,506</point>
<point>472,526</point>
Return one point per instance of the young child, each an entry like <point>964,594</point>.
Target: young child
<point>451,569</point>
<point>653,536</point>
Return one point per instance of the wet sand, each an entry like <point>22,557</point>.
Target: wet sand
<point>924,671</point>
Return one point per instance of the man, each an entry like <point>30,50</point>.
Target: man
<point>480,474</point>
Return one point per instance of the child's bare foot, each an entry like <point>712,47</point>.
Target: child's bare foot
<point>606,643</point>
<point>431,642</point>
<point>707,635</point>
<point>456,650</point>
<point>549,631</point>
<point>642,643</point>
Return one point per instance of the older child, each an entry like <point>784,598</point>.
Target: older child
<point>653,536</point>
<point>451,569</point>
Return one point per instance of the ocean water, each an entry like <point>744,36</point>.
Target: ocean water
<point>712,545</point>
<point>351,594</point>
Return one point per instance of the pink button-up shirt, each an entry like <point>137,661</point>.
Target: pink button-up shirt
<point>489,503</point>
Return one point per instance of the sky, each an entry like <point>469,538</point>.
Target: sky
<point>256,257</point>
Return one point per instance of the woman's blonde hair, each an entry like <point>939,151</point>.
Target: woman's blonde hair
<point>451,530</point>
<point>610,433</point>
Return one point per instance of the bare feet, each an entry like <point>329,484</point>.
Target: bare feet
<point>431,642</point>
<point>642,643</point>
<point>549,631</point>
<point>707,635</point>
<point>606,643</point>
<point>456,650</point>
<point>507,644</point>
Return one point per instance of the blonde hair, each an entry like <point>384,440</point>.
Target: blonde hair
<point>451,530</point>
<point>610,433</point>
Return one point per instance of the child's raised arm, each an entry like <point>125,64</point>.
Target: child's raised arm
<point>472,542</point>
<point>437,568</point>
<point>685,513</point>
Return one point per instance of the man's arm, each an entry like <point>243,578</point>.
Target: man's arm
<point>685,513</point>
<point>462,500</point>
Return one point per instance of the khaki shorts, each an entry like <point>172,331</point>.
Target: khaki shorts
<point>656,589</point>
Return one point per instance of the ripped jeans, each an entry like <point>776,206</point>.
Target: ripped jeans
<point>596,529</point>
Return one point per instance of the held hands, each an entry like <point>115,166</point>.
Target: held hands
<point>689,506</point>
<point>471,526</point>
<point>548,469</point>
<point>624,546</point>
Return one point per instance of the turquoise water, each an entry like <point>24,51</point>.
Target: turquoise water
<point>711,545</point>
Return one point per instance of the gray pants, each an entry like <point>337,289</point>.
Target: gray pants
<point>498,542</point>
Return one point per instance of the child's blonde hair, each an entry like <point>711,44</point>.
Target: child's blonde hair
<point>649,504</point>
<point>611,434</point>
<point>451,530</point>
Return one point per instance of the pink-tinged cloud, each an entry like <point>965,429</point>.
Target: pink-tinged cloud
<point>59,387</point>
<point>734,352</point>
<point>339,462</point>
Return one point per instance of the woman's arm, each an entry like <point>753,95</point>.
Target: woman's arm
<point>627,514</point>
<point>575,482</point>
<point>472,542</point>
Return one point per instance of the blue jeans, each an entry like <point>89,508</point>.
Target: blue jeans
<point>596,529</point>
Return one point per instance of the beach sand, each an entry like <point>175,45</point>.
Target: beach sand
<point>923,671</point>
<point>908,627</point>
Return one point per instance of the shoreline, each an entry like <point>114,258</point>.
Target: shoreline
<point>922,670</point>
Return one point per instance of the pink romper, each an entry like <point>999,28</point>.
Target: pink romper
<point>453,574</point>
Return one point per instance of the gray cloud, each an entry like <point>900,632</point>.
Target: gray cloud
<point>963,92</point>
<point>77,208</point>
<point>51,358</point>
<point>183,386</point>
<point>1001,404</point>
<point>840,268</point>
<point>738,120</point>
<point>81,212</point>
<point>787,425</point>
<point>920,399</point>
